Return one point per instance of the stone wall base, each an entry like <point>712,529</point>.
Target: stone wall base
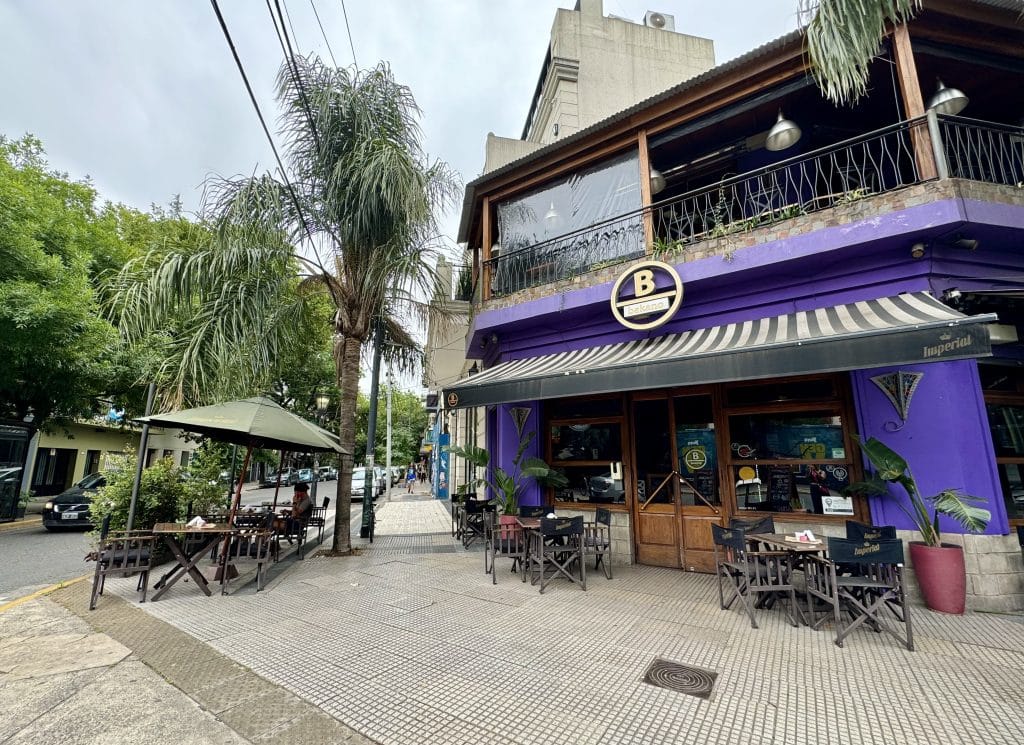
<point>622,534</point>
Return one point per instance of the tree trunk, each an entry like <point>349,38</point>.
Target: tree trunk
<point>346,362</point>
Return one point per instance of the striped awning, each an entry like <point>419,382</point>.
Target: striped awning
<point>904,329</point>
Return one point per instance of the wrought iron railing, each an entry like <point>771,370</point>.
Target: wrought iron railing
<point>843,173</point>
<point>983,151</point>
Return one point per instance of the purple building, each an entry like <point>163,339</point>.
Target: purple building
<point>701,302</point>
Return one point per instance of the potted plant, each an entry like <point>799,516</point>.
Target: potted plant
<point>23,500</point>
<point>508,486</point>
<point>939,567</point>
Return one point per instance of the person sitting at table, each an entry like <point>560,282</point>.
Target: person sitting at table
<point>302,506</point>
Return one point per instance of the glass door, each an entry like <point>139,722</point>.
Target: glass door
<point>656,503</point>
<point>700,503</point>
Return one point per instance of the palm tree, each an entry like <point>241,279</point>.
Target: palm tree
<point>355,219</point>
<point>842,36</point>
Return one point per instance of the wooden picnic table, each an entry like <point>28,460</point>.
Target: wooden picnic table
<point>168,533</point>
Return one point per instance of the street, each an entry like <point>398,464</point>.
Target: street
<point>34,558</point>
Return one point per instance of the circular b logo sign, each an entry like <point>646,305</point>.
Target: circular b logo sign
<point>453,400</point>
<point>646,295</point>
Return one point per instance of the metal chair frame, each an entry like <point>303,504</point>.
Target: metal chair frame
<point>545,552</point>
<point>597,540</point>
<point>505,540</point>
<point>751,573</point>
<point>878,585</point>
<point>122,551</point>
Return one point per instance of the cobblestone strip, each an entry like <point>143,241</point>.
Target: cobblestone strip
<point>255,708</point>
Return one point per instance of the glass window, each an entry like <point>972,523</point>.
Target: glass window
<point>806,487</point>
<point>586,442</point>
<point>594,484</point>
<point>697,450</point>
<point>801,390</point>
<point>569,226</point>
<point>804,435</point>
<point>1007,424</point>
<point>1001,378</point>
<point>583,408</point>
<point>1011,477</point>
<point>653,451</point>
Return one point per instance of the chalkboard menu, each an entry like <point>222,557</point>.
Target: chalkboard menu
<point>705,481</point>
<point>780,488</point>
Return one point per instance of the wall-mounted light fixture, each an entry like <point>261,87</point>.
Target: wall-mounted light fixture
<point>952,295</point>
<point>473,369</point>
<point>967,244</point>
<point>785,133</point>
<point>917,250</point>
<point>947,100</point>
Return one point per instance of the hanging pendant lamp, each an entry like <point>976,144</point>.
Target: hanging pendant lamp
<point>948,100</point>
<point>785,133</point>
<point>658,182</point>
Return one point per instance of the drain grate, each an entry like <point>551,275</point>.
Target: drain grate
<point>693,681</point>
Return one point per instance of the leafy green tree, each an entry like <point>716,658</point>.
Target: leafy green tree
<point>162,495</point>
<point>842,37</point>
<point>409,419</point>
<point>57,354</point>
<point>357,221</point>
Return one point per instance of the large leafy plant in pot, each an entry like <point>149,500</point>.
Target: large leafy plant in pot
<point>507,486</point>
<point>939,566</point>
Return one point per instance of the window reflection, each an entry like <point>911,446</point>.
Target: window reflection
<point>799,435</point>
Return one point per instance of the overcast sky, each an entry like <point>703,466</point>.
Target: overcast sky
<point>143,96</point>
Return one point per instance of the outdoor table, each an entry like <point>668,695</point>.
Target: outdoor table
<point>169,533</point>
<point>799,549</point>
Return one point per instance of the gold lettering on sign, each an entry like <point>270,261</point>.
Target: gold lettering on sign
<point>648,306</point>
<point>867,548</point>
<point>643,282</point>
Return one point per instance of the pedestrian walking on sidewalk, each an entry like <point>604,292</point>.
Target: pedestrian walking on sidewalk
<point>421,472</point>
<point>410,478</point>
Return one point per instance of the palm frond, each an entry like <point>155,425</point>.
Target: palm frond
<point>843,36</point>
<point>962,508</point>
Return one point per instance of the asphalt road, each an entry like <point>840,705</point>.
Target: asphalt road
<point>32,558</point>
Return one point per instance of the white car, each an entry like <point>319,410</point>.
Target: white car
<point>359,482</point>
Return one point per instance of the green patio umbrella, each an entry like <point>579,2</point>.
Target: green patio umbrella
<point>252,422</point>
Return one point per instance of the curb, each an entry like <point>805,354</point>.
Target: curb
<point>28,522</point>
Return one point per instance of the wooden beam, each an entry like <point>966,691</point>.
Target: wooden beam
<point>913,103</point>
<point>485,247</point>
<point>645,190</point>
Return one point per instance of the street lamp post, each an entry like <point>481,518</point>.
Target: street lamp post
<point>391,384</point>
<point>322,401</point>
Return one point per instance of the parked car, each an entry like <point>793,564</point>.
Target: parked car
<point>358,484</point>
<point>397,473</point>
<point>289,476</point>
<point>307,475</point>
<point>70,508</point>
<point>328,473</point>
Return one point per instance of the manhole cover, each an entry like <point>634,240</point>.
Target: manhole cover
<point>687,679</point>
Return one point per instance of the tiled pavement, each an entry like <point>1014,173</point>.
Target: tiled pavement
<point>408,644</point>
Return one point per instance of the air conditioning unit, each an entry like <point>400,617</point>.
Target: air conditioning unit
<point>660,20</point>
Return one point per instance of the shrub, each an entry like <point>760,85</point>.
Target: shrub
<point>162,494</point>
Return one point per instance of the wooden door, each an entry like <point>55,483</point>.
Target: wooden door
<point>654,494</point>
<point>700,485</point>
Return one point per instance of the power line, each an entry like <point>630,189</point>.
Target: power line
<point>290,26</point>
<point>349,30</point>
<point>297,75</point>
<point>263,122</point>
<point>323,33</point>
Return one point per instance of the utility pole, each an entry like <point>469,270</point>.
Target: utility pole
<point>369,485</point>
<point>390,379</point>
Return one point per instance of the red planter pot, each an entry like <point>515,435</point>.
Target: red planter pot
<point>941,575</point>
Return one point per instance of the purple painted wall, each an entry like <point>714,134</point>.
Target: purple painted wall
<point>946,439</point>
<point>508,444</point>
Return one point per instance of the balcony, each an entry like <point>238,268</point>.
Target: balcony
<point>884,160</point>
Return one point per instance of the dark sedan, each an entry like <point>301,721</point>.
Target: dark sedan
<point>70,509</point>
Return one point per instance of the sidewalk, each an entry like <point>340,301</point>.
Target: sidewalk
<point>409,642</point>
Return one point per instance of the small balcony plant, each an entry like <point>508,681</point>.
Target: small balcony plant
<point>939,566</point>
<point>507,486</point>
